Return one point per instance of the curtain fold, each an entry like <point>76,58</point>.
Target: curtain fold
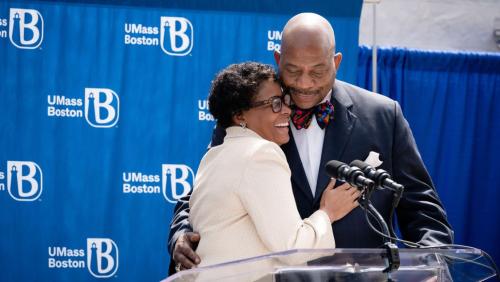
<point>451,102</point>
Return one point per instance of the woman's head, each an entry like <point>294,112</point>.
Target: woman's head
<point>248,93</point>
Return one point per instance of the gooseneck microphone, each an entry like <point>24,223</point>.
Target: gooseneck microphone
<point>383,179</point>
<point>352,175</point>
<point>379,176</point>
<point>355,177</point>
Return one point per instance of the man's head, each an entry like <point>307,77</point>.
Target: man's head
<point>307,62</point>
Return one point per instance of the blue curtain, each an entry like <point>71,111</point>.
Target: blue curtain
<point>451,102</point>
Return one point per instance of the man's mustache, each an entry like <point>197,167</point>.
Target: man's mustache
<point>296,91</point>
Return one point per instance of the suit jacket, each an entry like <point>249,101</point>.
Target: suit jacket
<point>363,121</point>
<point>234,200</point>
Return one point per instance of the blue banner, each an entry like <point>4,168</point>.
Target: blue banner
<point>104,118</point>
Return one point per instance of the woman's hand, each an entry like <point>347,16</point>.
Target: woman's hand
<point>337,202</point>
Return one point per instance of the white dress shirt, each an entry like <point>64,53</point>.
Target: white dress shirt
<point>309,142</point>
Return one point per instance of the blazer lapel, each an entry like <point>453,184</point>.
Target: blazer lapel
<point>337,135</point>
<point>298,174</point>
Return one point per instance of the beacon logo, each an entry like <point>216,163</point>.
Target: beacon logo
<point>177,181</point>
<point>24,180</point>
<point>176,36</point>
<point>102,107</point>
<point>25,28</point>
<point>102,257</point>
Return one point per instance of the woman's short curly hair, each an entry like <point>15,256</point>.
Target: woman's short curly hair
<point>234,88</point>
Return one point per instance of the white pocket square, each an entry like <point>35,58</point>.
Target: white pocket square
<point>373,159</point>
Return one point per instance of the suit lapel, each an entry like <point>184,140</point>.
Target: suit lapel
<point>298,174</point>
<point>337,135</point>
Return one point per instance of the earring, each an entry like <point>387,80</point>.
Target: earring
<point>243,124</point>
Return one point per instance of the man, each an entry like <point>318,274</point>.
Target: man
<point>351,123</point>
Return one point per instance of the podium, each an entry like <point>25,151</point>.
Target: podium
<point>349,265</point>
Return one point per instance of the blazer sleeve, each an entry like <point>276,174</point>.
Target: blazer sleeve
<point>266,193</point>
<point>180,221</point>
<point>420,213</point>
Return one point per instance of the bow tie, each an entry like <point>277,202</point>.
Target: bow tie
<point>302,118</point>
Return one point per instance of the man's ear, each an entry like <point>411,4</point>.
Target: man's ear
<point>277,57</point>
<point>337,58</point>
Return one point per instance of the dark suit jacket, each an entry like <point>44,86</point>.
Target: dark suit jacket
<point>363,122</point>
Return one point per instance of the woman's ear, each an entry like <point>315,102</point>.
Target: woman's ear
<point>238,118</point>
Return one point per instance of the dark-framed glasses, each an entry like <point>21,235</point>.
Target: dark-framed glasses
<point>276,102</point>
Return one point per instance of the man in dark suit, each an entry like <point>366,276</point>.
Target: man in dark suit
<point>334,120</point>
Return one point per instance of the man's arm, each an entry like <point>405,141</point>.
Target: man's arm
<point>180,222</point>
<point>181,240</point>
<point>218,135</point>
<point>420,213</point>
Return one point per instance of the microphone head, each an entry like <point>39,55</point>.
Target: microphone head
<point>332,168</point>
<point>360,164</point>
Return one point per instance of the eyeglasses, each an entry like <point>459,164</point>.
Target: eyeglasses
<point>275,101</point>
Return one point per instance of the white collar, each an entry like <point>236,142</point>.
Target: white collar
<point>238,131</point>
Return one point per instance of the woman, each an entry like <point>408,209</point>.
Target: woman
<point>242,203</point>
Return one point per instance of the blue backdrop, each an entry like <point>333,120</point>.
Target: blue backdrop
<point>451,102</point>
<point>103,120</point>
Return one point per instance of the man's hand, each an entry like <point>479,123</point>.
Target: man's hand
<point>184,255</point>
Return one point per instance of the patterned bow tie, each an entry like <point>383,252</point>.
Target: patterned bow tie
<point>302,118</point>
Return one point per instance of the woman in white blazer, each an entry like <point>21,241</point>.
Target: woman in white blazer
<point>242,203</point>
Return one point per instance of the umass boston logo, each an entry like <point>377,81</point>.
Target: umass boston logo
<point>100,106</point>
<point>176,35</point>
<point>174,182</point>
<point>25,28</point>
<point>24,180</point>
<point>101,257</point>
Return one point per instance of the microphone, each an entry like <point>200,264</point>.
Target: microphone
<point>379,176</point>
<point>352,175</point>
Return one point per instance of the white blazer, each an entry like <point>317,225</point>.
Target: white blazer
<point>242,203</point>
